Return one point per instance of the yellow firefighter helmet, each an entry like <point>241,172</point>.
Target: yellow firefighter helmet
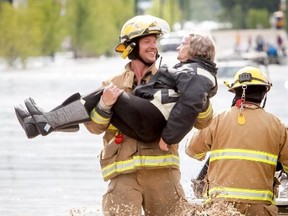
<point>139,26</point>
<point>249,76</point>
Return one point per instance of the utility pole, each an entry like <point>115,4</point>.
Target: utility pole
<point>136,11</point>
<point>283,7</point>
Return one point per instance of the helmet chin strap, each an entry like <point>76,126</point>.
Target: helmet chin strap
<point>264,101</point>
<point>148,64</point>
<point>134,54</point>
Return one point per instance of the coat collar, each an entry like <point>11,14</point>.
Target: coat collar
<point>129,76</point>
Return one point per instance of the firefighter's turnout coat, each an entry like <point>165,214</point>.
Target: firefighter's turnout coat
<point>130,154</point>
<point>243,157</point>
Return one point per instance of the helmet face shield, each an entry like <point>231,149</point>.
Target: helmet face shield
<point>250,76</point>
<point>140,26</point>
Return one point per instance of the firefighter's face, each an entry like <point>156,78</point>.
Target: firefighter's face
<point>148,48</point>
<point>183,49</point>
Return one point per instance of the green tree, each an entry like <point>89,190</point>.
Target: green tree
<point>19,34</point>
<point>257,4</point>
<point>258,18</point>
<point>51,24</point>
<point>166,9</point>
<point>237,11</point>
<point>94,25</point>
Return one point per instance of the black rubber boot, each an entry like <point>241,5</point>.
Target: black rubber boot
<point>26,121</point>
<point>28,124</point>
<point>66,116</point>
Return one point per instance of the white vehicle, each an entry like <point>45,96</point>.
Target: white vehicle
<point>228,68</point>
<point>170,41</point>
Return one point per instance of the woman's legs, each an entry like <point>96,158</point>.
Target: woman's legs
<point>137,118</point>
<point>133,116</point>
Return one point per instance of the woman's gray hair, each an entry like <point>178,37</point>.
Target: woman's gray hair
<point>202,45</point>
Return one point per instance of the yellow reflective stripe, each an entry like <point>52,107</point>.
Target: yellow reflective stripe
<point>242,193</point>
<point>199,156</point>
<point>140,161</point>
<point>112,127</point>
<point>243,154</point>
<point>205,114</point>
<point>94,115</point>
<point>285,168</point>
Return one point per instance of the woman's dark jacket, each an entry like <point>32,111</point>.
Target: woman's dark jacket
<point>195,81</point>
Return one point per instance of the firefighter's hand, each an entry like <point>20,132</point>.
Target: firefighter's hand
<point>163,145</point>
<point>110,94</point>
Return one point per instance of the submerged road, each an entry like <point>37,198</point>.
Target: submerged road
<point>59,174</point>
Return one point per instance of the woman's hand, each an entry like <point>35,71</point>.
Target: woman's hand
<point>110,94</point>
<point>163,145</point>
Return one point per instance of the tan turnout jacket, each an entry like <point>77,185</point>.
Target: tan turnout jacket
<point>131,154</point>
<point>243,158</point>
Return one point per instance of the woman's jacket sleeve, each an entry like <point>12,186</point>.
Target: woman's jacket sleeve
<point>194,86</point>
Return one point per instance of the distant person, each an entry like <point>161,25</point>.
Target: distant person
<point>237,43</point>
<point>272,53</point>
<point>260,43</point>
<point>279,41</point>
<point>281,45</point>
<point>245,142</point>
<point>249,44</point>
